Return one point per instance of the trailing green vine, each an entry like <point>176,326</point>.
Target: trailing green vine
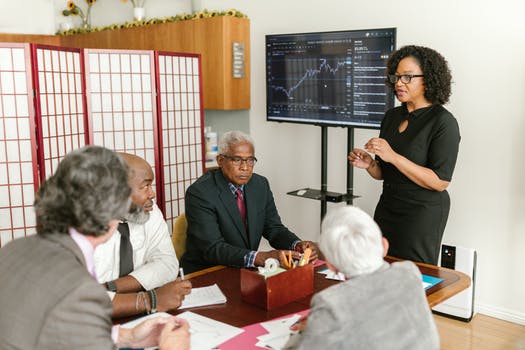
<point>177,18</point>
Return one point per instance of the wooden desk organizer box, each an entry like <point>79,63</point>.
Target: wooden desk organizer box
<point>277,290</point>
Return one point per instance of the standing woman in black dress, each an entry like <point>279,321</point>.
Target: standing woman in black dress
<point>415,155</point>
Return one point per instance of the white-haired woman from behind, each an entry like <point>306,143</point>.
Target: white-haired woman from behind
<point>379,306</point>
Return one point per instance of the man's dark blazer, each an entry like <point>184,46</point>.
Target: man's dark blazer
<point>216,234</point>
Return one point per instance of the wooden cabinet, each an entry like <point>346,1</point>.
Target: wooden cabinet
<point>214,40</point>
<point>212,37</point>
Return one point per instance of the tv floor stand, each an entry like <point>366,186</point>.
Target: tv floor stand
<point>323,194</point>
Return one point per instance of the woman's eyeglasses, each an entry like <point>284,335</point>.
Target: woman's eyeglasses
<point>405,78</point>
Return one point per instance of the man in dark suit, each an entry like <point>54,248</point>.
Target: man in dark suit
<point>230,209</point>
<point>49,297</point>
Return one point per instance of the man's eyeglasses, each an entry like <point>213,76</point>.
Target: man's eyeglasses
<point>405,78</point>
<point>237,161</point>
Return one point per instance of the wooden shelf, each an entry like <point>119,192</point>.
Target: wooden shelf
<point>212,38</point>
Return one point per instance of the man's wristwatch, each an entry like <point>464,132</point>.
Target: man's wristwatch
<point>111,286</point>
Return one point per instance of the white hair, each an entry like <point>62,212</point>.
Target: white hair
<point>351,241</point>
<point>231,138</point>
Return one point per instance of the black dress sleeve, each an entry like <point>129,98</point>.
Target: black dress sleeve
<point>444,145</point>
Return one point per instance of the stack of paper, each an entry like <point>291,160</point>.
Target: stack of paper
<point>203,296</point>
<point>278,332</point>
<point>206,333</point>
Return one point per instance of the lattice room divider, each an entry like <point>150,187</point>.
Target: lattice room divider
<point>142,102</point>
<point>121,103</point>
<point>180,125</point>
<point>18,161</point>
<point>59,104</point>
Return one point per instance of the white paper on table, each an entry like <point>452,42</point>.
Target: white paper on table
<point>210,295</point>
<point>278,332</point>
<point>133,323</point>
<point>206,332</point>
<point>277,341</point>
<point>281,325</point>
<point>331,275</point>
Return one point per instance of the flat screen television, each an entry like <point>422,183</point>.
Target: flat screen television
<point>329,78</point>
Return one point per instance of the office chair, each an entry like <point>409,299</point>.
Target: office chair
<point>178,237</point>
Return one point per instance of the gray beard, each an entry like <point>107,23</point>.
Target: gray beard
<point>137,215</point>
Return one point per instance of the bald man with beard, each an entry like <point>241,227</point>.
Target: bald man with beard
<point>155,265</point>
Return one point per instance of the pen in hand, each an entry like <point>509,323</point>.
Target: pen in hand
<point>181,274</point>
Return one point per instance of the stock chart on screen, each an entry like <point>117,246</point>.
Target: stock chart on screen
<point>329,78</point>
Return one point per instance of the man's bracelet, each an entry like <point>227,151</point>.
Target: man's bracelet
<point>153,299</point>
<point>140,299</point>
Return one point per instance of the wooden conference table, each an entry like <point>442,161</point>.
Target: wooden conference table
<point>238,313</point>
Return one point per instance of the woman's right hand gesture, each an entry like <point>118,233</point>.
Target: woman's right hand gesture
<point>360,158</point>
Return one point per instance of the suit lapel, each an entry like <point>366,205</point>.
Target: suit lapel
<point>228,200</point>
<point>251,213</point>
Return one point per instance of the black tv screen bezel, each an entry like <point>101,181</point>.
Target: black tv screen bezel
<point>328,122</point>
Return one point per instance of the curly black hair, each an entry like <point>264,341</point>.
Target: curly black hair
<point>435,68</point>
<point>88,190</point>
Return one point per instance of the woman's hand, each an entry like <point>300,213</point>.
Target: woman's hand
<point>360,158</point>
<point>381,148</point>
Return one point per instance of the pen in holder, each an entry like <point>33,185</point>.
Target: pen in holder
<point>289,263</point>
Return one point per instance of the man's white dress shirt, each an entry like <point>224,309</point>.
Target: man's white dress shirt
<point>154,259</point>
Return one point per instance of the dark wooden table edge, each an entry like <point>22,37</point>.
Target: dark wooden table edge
<point>204,271</point>
<point>453,281</point>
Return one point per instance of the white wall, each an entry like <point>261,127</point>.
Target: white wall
<point>45,16</point>
<point>484,42</point>
<point>106,12</point>
<point>26,16</point>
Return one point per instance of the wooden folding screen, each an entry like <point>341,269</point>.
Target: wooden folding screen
<point>138,102</point>
<point>121,103</point>
<point>181,126</point>
<point>59,104</point>
<point>18,163</point>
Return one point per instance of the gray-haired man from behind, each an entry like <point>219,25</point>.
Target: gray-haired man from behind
<point>379,306</point>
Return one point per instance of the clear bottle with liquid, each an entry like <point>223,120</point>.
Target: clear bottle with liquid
<point>212,147</point>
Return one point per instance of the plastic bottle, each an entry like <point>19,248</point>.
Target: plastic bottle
<point>211,144</point>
